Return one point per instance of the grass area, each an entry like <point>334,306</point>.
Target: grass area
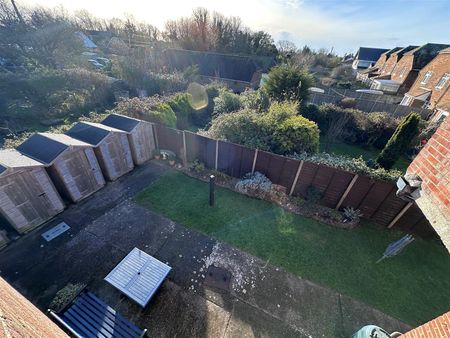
<point>413,286</point>
<point>355,151</point>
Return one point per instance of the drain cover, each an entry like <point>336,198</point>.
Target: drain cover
<point>55,231</point>
<point>218,278</point>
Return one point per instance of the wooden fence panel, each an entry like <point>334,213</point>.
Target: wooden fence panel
<point>288,173</point>
<point>409,219</point>
<point>305,178</point>
<point>358,192</point>
<point>390,208</point>
<point>246,160</point>
<point>378,192</point>
<point>322,178</point>
<point>262,162</point>
<point>201,148</point>
<point>170,139</point>
<point>275,168</point>
<point>336,188</point>
<point>423,227</point>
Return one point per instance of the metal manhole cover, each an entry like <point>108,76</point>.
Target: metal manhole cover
<point>218,278</point>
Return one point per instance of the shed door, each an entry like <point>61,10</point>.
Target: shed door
<point>94,166</point>
<point>48,192</point>
<point>16,201</point>
<point>80,172</point>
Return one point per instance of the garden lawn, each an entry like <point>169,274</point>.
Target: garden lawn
<point>413,286</point>
<point>367,153</point>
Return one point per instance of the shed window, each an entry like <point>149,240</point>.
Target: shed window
<point>443,81</point>
<point>426,78</point>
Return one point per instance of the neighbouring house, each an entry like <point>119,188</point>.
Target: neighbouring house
<point>432,165</point>
<point>70,163</point>
<point>140,136</point>
<point>238,72</point>
<point>28,197</point>
<point>431,88</point>
<point>20,318</point>
<point>111,147</point>
<point>411,63</point>
<point>391,62</point>
<point>365,74</point>
<point>367,57</point>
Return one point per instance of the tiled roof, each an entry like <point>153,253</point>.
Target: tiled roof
<point>369,54</point>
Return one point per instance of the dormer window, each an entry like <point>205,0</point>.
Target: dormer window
<point>426,78</point>
<point>443,81</point>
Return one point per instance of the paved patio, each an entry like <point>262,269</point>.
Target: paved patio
<point>263,300</point>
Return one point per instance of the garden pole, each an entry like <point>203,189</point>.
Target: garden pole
<point>212,183</point>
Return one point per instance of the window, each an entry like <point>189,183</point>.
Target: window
<point>443,81</point>
<point>426,78</point>
<point>406,100</point>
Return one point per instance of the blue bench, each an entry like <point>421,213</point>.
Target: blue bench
<point>90,317</point>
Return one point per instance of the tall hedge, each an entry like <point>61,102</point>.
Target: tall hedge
<point>399,141</point>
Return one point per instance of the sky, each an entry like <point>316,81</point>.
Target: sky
<point>343,25</point>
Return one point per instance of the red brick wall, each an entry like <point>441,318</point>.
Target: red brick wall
<point>436,328</point>
<point>389,65</point>
<point>439,66</point>
<point>402,68</point>
<point>20,318</point>
<point>381,60</point>
<point>432,164</point>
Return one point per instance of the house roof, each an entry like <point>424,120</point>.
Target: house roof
<point>225,66</point>
<point>121,122</point>
<point>425,53</point>
<point>369,54</point>
<point>11,158</point>
<point>92,133</point>
<point>46,147</point>
<point>445,51</point>
<point>392,51</point>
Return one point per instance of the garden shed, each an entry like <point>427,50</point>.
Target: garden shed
<point>110,146</point>
<point>71,164</point>
<point>28,197</point>
<point>140,135</point>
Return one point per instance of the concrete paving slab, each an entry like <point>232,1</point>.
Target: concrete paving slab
<point>249,322</point>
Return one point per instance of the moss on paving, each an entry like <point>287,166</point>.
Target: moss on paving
<point>413,286</point>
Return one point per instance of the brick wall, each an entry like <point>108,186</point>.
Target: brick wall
<point>433,166</point>
<point>436,328</point>
<point>439,66</point>
<point>390,65</point>
<point>402,68</point>
<point>20,318</point>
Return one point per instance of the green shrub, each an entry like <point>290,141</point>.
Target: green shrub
<point>183,110</point>
<point>226,102</point>
<point>256,100</point>
<point>288,82</point>
<point>378,130</point>
<point>153,109</point>
<point>354,165</point>
<point>280,130</point>
<point>399,141</point>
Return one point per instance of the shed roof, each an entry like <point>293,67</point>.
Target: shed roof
<point>425,53</point>
<point>369,54</point>
<point>90,132</point>
<point>46,147</point>
<point>11,158</point>
<point>121,122</point>
<point>225,66</point>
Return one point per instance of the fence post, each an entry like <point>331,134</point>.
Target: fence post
<point>184,150</point>
<point>217,154</point>
<point>299,169</point>
<point>155,135</point>
<point>350,186</point>
<point>254,160</point>
<point>400,214</point>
